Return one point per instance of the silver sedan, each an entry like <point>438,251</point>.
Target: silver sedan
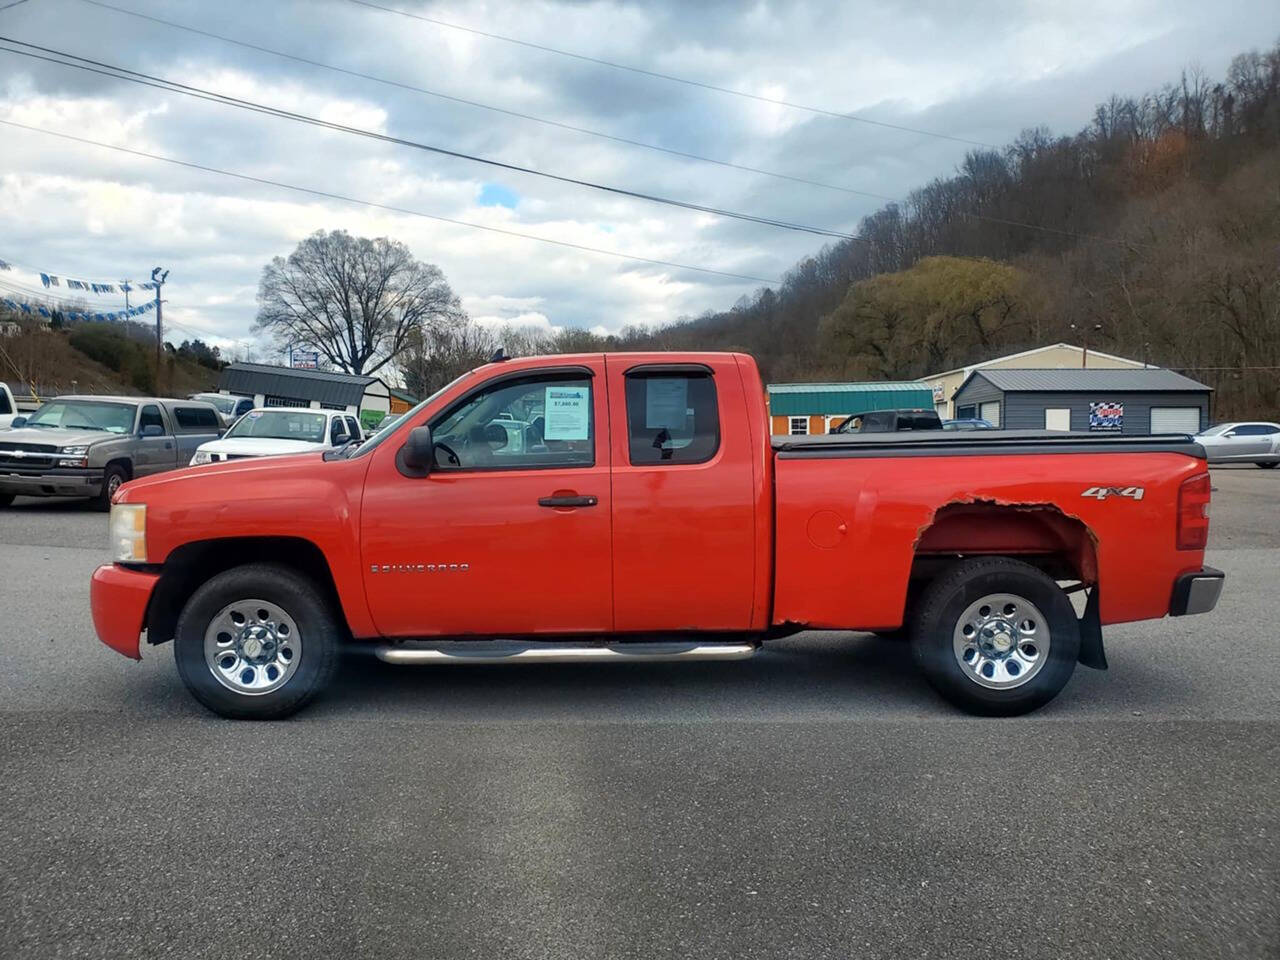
<point>1245,442</point>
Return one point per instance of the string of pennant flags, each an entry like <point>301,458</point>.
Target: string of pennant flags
<point>20,306</point>
<point>50,280</point>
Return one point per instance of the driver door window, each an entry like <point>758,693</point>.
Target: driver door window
<point>150,418</point>
<point>151,454</point>
<point>519,425</point>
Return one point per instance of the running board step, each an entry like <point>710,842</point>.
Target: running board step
<point>496,651</point>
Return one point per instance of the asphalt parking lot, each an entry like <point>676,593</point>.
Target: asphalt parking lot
<point>815,801</point>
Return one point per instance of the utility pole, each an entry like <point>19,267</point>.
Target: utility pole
<point>124,286</point>
<point>1084,357</point>
<point>158,278</point>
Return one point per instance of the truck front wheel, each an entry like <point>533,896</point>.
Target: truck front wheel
<point>112,479</point>
<point>256,642</point>
<point>995,636</point>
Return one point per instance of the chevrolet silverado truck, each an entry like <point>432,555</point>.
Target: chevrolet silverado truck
<point>89,446</point>
<point>633,507</point>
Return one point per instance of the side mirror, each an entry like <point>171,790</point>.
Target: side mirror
<point>1229,433</point>
<point>18,422</point>
<point>417,456</point>
<point>153,430</point>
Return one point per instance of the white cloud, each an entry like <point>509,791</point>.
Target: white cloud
<point>982,71</point>
<point>532,320</point>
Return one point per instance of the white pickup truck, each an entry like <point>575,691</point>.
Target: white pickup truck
<point>8,407</point>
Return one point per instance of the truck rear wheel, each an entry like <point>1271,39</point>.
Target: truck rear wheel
<point>996,637</point>
<point>256,642</point>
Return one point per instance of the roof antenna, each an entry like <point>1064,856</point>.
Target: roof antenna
<point>498,355</point>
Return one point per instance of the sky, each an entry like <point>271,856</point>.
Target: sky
<point>979,72</point>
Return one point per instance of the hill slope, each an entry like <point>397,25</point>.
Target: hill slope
<point>1152,233</point>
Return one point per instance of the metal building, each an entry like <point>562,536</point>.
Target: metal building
<point>1091,400</point>
<point>272,386</point>
<point>802,408</point>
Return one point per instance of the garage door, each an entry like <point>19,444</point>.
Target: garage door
<point>1175,419</point>
<point>990,412</point>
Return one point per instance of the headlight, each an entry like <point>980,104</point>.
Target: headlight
<point>201,456</point>
<point>79,451</point>
<point>128,525</point>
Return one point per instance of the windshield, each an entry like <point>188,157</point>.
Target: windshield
<point>280,425</point>
<point>222,403</point>
<point>84,415</point>
<point>373,442</point>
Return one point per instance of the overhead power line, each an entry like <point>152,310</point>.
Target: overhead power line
<point>565,126</point>
<point>384,206</point>
<point>485,106</point>
<point>51,55</point>
<point>671,77</point>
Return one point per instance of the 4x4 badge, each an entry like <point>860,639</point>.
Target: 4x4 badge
<point>1101,493</point>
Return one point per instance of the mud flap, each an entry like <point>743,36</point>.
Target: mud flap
<point>1091,652</point>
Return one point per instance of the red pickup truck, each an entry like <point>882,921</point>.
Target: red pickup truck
<point>634,507</point>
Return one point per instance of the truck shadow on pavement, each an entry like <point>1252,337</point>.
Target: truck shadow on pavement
<point>802,677</point>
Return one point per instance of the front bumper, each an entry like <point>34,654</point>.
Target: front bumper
<point>118,598</point>
<point>65,482</point>
<point>1196,592</point>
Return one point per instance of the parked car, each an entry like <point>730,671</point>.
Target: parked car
<point>8,407</point>
<point>652,518</point>
<point>1250,441</point>
<point>274,431</point>
<point>230,408</point>
<point>383,424</point>
<point>890,421</point>
<point>968,423</point>
<point>89,446</point>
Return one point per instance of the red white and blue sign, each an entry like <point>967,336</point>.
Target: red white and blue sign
<point>1106,416</point>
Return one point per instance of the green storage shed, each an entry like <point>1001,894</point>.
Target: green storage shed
<point>802,408</point>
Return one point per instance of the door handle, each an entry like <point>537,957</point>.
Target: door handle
<point>567,501</point>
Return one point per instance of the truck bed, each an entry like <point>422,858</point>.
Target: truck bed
<point>854,512</point>
<point>951,443</point>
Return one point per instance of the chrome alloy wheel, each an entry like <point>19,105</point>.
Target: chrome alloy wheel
<point>252,646</point>
<point>1001,641</point>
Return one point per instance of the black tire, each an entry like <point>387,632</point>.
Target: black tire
<point>6,499</point>
<point>112,478</point>
<point>318,637</point>
<point>938,617</point>
<point>1269,465</point>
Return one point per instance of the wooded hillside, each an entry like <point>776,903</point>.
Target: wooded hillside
<point>1153,233</point>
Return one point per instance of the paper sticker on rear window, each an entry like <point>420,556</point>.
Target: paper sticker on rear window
<point>666,403</point>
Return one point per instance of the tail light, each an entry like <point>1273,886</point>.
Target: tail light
<point>1193,513</point>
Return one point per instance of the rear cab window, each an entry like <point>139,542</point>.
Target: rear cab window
<point>672,416</point>
<point>195,419</point>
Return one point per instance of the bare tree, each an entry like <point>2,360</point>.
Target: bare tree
<point>359,302</point>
